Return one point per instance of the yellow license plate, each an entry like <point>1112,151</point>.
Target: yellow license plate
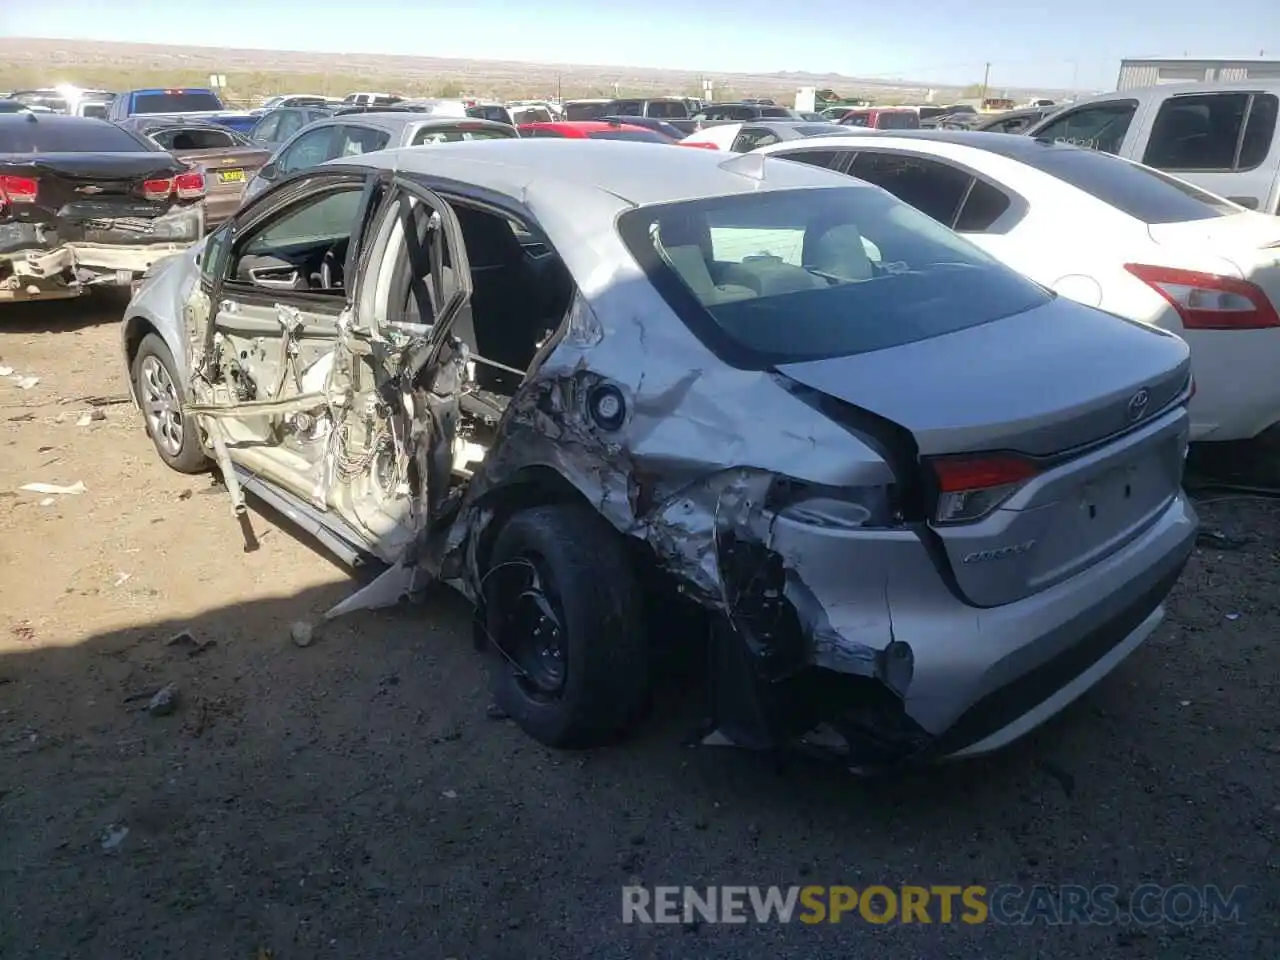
<point>230,176</point>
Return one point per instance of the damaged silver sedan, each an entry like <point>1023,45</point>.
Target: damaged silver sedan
<point>918,503</point>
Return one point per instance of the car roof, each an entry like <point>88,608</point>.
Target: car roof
<point>1012,146</point>
<point>555,170</point>
<point>1180,88</point>
<point>51,119</point>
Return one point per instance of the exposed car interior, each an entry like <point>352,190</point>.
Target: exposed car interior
<point>195,138</point>
<point>304,250</point>
<point>521,291</point>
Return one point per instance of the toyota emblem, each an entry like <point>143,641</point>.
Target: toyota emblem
<point>1138,404</point>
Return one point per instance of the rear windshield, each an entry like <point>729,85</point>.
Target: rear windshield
<point>1145,194</point>
<point>668,108</point>
<point>584,111</point>
<point>489,112</point>
<point>197,138</point>
<point>459,133</point>
<point>897,120</point>
<point>174,102</point>
<point>794,275</point>
<point>643,136</point>
<point>68,135</point>
<point>775,112</point>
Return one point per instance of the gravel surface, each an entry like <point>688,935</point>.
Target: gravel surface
<point>179,778</point>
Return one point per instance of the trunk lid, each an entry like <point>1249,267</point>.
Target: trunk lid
<point>89,186</point>
<point>1086,400</point>
<point>1248,241</point>
<point>226,170</point>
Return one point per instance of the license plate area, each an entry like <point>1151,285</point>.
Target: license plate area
<point>231,176</point>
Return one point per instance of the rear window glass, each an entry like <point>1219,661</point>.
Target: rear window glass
<point>795,275</point>
<point>856,118</point>
<point>626,108</point>
<point>458,134</point>
<point>35,98</point>
<point>777,112</point>
<point>902,120</point>
<point>196,139</point>
<point>1203,132</point>
<point>1145,194</point>
<point>173,102</point>
<point>68,135</point>
<point>490,112</point>
<point>642,136</point>
<point>584,111</point>
<point>667,108</point>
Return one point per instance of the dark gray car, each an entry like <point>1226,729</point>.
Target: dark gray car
<point>350,135</point>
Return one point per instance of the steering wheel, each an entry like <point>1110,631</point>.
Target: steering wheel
<point>329,264</point>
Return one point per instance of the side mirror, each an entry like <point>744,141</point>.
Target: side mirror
<point>269,171</point>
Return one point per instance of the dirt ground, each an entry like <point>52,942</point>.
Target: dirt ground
<point>353,799</point>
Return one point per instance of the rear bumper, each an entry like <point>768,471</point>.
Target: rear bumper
<point>907,672</point>
<point>72,268</point>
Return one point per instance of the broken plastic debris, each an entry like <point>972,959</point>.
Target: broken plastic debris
<point>450,794</point>
<point>48,502</point>
<point>1233,616</point>
<point>1184,703</point>
<point>114,836</point>
<point>6,371</point>
<point>75,489</point>
<point>89,416</point>
<point>24,383</point>
<point>164,702</point>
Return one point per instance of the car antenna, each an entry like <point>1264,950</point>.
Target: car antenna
<point>749,165</point>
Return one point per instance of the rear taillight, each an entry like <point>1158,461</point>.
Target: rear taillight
<point>970,487</point>
<point>189,186</point>
<point>18,189</point>
<point>1207,301</point>
<point>157,189</point>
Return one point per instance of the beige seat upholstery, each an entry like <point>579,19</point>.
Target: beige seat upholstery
<point>692,267</point>
<point>841,253</point>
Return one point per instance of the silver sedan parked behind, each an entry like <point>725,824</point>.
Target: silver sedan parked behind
<point>349,135</point>
<point>917,503</point>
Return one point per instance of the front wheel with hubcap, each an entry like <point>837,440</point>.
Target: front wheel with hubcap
<point>565,619</point>
<point>162,399</point>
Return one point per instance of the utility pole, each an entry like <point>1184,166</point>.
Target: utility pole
<point>986,77</point>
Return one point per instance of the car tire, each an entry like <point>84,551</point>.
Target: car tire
<point>175,435</point>
<point>562,569</point>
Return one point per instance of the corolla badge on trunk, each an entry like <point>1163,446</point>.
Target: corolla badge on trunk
<point>89,188</point>
<point>999,553</point>
<point>1138,404</point>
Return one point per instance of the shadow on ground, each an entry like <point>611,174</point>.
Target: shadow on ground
<point>57,316</point>
<point>352,799</point>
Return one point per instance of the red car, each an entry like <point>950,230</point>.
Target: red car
<point>590,130</point>
<point>883,118</point>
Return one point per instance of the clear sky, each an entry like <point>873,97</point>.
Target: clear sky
<point>1028,42</point>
